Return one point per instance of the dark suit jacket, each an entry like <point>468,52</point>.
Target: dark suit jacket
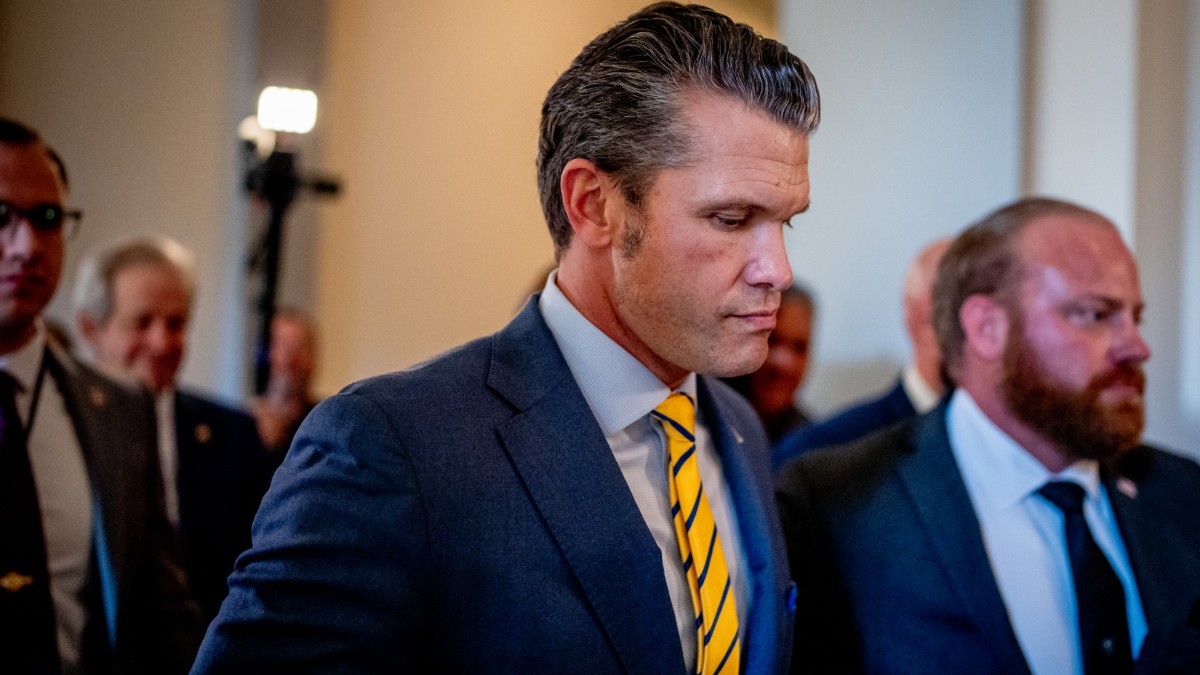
<point>848,425</point>
<point>223,473</point>
<point>467,515</point>
<point>893,573</point>
<point>157,627</point>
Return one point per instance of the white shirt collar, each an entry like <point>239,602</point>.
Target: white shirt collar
<point>922,396</point>
<point>24,363</point>
<point>618,388</point>
<point>1002,471</point>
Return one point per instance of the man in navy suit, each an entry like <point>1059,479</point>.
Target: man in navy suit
<point>916,390</point>
<point>133,301</point>
<point>1020,527</point>
<point>505,507</point>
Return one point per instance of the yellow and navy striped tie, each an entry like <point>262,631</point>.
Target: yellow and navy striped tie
<point>699,545</point>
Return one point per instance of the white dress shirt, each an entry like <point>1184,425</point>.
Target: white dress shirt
<point>621,393</point>
<point>1025,542</point>
<point>168,457</point>
<point>64,491</point>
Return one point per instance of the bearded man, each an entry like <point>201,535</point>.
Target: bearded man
<point>1020,526</point>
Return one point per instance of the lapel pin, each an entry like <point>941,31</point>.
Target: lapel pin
<point>96,396</point>
<point>1127,487</point>
<point>15,581</point>
<point>203,433</point>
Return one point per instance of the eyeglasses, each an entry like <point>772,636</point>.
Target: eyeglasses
<point>45,218</point>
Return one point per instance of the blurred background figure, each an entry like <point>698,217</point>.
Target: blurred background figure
<point>915,391</point>
<point>132,303</point>
<point>774,389</point>
<point>279,411</point>
<point>88,566</point>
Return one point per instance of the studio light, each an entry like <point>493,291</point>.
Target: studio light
<point>272,175</point>
<point>290,110</point>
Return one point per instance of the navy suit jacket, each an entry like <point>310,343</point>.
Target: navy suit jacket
<point>893,573</point>
<point>467,515</point>
<point>223,472</point>
<point>137,579</point>
<point>848,425</point>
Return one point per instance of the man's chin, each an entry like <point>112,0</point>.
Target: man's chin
<point>734,365</point>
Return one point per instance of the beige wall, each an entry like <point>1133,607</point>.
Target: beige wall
<point>430,117</point>
<point>138,96</point>
<point>429,113</point>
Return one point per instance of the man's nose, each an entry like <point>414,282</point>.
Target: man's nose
<point>769,266</point>
<point>18,238</point>
<point>1130,346</point>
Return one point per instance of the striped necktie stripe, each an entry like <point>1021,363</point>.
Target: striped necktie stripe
<point>699,544</point>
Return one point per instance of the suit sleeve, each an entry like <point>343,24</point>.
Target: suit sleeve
<point>333,580</point>
<point>825,641</point>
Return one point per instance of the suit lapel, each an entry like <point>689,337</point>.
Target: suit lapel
<point>748,486</point>
<point>110,473</point>
<point>1163,565</point>
<point>1148,555</point>
<point>935,488</point>
<point>897,403</point>
<point>565,462</point>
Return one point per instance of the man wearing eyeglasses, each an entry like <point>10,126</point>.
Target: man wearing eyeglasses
<point>89,578</point>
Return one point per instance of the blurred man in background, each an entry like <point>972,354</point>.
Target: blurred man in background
<point>89,574</point>
<point>288,399</point>
<point>1020,526</point>
<point>774,388</point>
<point>133,301</point>
<point>919,386</point>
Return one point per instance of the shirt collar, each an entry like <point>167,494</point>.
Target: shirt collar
<point>23,364</point>
<point>618,388</point>
<point>922,396</point>
<point>1004,472</point>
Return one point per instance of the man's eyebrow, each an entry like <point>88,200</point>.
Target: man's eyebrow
<point>1109,302</point>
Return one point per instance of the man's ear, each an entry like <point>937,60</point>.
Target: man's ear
<point>586,192</point>
<point>985,324</point>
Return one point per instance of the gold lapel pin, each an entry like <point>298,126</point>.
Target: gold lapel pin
<point>203,433</point>
<point>1127,487</point>
<point>15,581</point>
<point>96,395</point>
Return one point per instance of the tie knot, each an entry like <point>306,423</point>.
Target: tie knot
<point>1066,495</point>
<point>678,411</point>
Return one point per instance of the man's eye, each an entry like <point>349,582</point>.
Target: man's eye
<point>729,221</point>
<point>1089,314</point>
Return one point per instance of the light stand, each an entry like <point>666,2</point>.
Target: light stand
<point>275,180</point>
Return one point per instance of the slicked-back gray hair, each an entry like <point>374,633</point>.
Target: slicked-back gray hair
<point>619,102</point>
<point>983,260</point>
<point>93,293</point>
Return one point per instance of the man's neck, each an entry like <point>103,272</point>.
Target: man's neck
<point>283,393</point>
<point>13,338</point>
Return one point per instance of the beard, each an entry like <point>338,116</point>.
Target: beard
<point>1076,420</point>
